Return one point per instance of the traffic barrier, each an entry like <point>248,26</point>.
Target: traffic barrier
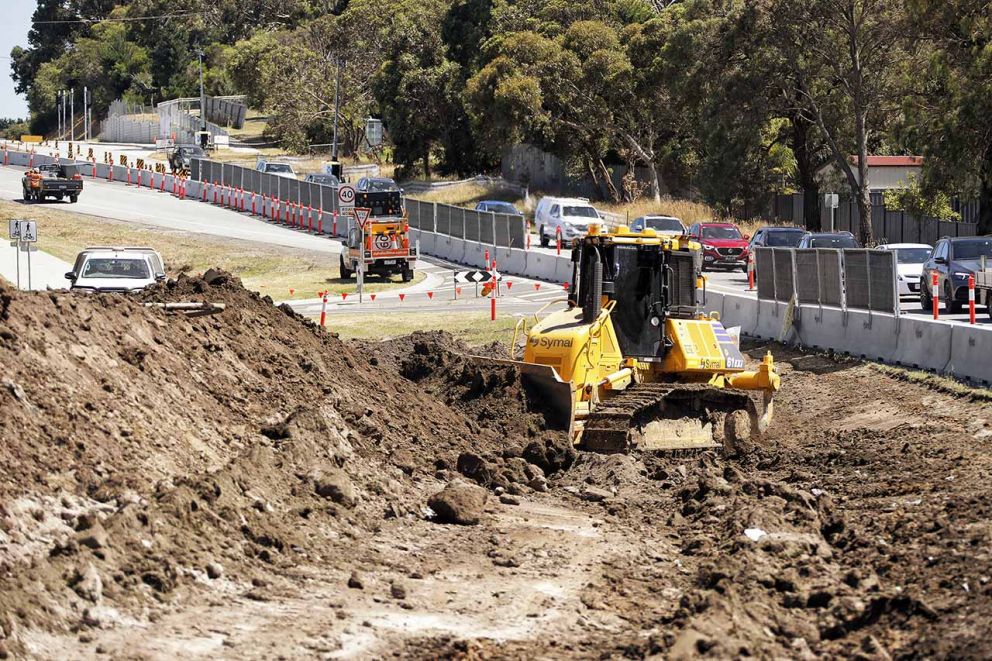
<point>935,291</point>
<point>323,309</point>
<point>971,353</point>
<point>971,299</point>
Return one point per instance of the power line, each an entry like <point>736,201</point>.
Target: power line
<point>123,19</point>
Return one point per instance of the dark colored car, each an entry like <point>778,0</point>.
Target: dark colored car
<point>953,260</point>
<point>376,185</point>
<point>322,179</point>
<point>774,237</point>
<point>838,240</point>
<point>181,156</point>
<point>498,206</point>
<point>668,225</point>
<point>723,245</point>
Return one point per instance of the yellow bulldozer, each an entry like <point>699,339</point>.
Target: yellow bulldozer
<point>632,362</point>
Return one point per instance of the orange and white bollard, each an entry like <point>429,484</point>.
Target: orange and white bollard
<point>323,310</point>
<point>971,299</point>
<point>935,290</point>
<point>320,220</point>
<point>558,239</point>
<point>334,223</point>
<point>750,274</point>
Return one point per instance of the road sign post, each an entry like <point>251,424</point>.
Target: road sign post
<point>362,215</point>
<point>14,228</point>
<point>23,234</point>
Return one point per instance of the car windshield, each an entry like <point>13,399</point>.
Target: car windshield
<point>579,212</point>
<point>278,167</point>
<point>972,249</point>
<point>833,241</point>
<point>784,239</point>
<point>912,255</point>
<point>664,224</point>
<point>192,151</point>
<point>325,179</point>
<point>721,233</point>
<point>381,185</point>
<point>114,267</point>
<point>501,207</point>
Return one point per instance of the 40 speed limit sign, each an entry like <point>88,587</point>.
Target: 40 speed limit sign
<point>346,196</point>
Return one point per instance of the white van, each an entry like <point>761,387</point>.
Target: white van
<point>116,269</point>
<point>571,214</point>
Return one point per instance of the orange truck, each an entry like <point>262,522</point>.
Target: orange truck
<point>383,247</point>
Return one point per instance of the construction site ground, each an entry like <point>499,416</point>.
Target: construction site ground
<point>245,485</point>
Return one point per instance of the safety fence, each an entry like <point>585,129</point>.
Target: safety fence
<point>495,229</point>
<point>888,225</point>
<point>226,110</point>
<point>847,279</point>
<point>176,122</point>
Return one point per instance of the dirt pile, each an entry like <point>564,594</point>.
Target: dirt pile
<point>144,451</point>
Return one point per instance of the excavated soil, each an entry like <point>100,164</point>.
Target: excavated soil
<point>245,485</point>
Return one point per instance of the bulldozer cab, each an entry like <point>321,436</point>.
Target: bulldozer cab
<point>651,279</point>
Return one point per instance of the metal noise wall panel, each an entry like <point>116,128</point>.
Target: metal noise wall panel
<point>831,291</point>
<point>305,192</point>
<point>856,278</point>
<point>225,173</point>
<point>444,220</point>
<point>256,181</point>
<point>517,231</point>
<point>784,284</point>
<point>807,276</point>
<point>882,295</point>
<point>486,233</point>
<point>292,189</point>
<point>265,184</point>
<point>414,210</point>
<point>472,232</point>
<point>194,169</point>
<point>765,273</point>
<point>504,230</point>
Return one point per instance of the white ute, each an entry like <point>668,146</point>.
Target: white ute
<point>571,215</point>
<point>109,269</point>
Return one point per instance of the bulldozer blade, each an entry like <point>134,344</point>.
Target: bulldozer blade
<point>544,387</point>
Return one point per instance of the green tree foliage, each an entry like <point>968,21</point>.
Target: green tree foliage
<point>920,202</point>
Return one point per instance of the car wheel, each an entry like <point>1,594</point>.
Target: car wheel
<point>407,274</point>
<point>952,306</point>
<point>345,271</point>
<point>926,299</point>
<point>744,269</point>
<point>545,241</point>
<point>73,199</point>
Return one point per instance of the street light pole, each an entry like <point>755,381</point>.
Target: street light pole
<point>337,107</point>
<point>72,113</point>
<point>58,114</point>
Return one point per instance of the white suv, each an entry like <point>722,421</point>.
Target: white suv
<point>109,269</point>
<point>278,168</point>
<point>571,215</point>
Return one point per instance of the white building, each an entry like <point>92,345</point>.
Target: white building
<point>884,172</point>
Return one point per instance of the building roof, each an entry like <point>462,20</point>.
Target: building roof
<point>891,161</point>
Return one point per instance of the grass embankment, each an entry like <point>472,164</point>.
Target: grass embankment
<point>271,270</point>
<point>474,328</point>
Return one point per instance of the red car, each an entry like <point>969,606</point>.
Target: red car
<point>723,245</point>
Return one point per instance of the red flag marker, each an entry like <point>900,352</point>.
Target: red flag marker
<point>402,296</point>
<point>509,285</point>
<point>564,286</point>
<point>458,291</point>
<point>292,291</point>
<point>537,286</point>
<point>430,295</point>
<point>372,296</point>
<point>344,296</point>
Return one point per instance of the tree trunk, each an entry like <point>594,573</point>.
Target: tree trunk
<point>608,180</point>
<point>655,183</point>
<point>807,173</point>
<point>862,191</point>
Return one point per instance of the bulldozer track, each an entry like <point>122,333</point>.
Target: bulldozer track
<point>614,423</point>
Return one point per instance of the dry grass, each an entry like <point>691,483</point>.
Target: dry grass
<point>944,384</point>
<point>272,270</point>
<point>469,194</point>
<point>474,328</point>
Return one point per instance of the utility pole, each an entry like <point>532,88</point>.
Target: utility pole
<point>72,114</point>
<point>86,114</point>
<point>203,105</point>
<point>58,114</point>
<point>337,108</point>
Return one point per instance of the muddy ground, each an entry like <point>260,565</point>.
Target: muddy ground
<point>246,486</point>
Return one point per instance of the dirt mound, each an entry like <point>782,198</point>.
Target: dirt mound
<point>142,447</point>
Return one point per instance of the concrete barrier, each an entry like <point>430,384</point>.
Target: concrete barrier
<point>923,344</point>
<point>971,353</point>
<point>513,261</point>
